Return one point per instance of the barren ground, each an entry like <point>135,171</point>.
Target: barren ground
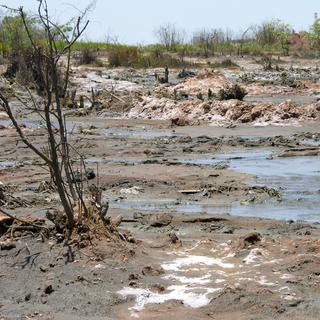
<point>223,210</point>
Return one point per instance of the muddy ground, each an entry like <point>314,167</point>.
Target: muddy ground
<point>223,215</point>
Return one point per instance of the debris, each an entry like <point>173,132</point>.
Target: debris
<point>43,268</point>
<point>88,175</point>
<point>232,92</point>
<point>203,219</point>
<point>116,221</point>
<point>7,245</point>
<point>191,191</point>
<point>186,74</point>
<point>249,239</point>
<point>152,271</point>
<point>133,190</point>
<point>173,237</point>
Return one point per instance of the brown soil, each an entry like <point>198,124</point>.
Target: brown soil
<point>179,265</point>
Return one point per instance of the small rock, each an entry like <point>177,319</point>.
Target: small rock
<point>27,297</point>
<point>48,289</point>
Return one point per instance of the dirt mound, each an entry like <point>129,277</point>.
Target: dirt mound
<point>201,84</point>
<point>223,112</point>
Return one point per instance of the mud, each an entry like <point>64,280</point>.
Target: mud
<point>225,219</point>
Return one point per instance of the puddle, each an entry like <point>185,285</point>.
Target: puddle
<point>127,162</point>
<point>145,133</point>
<point>36,124</point>
<point>172,205</point>
<point>297,177</point>
<point>7,164</point>
<point>310,142</point>
<point>30,124</point>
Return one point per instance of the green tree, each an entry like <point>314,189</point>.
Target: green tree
<point>284,34</point>
<point>13,36</point>
<point>315,35</point>
<point>274,33</point>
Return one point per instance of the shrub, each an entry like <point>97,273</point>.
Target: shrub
<point>232,92</point>
<point>161,60</point>
<point>123,56</point>
<point>226,63</point>
<point>88,56</point>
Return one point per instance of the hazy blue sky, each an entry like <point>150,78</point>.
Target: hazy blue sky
<point>134,21</point>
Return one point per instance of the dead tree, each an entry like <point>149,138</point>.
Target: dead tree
<point>46,57</point>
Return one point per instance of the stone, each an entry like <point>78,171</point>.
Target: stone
<point>48,289</point>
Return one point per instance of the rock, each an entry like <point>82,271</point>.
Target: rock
<point>160,220</point>
<point>48,289</point>
<point>7,245</point>
<point>27,297</point>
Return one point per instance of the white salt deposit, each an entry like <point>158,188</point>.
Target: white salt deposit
<point>181,263</point>
<point>255,256</point>
<point>195,298</point>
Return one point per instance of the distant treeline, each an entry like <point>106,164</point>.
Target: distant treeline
<point>173,45</point>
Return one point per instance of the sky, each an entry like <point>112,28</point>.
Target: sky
<point>135,21</point>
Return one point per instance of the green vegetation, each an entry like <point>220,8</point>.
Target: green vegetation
<point>269,38</point>
<point>315,35</point>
